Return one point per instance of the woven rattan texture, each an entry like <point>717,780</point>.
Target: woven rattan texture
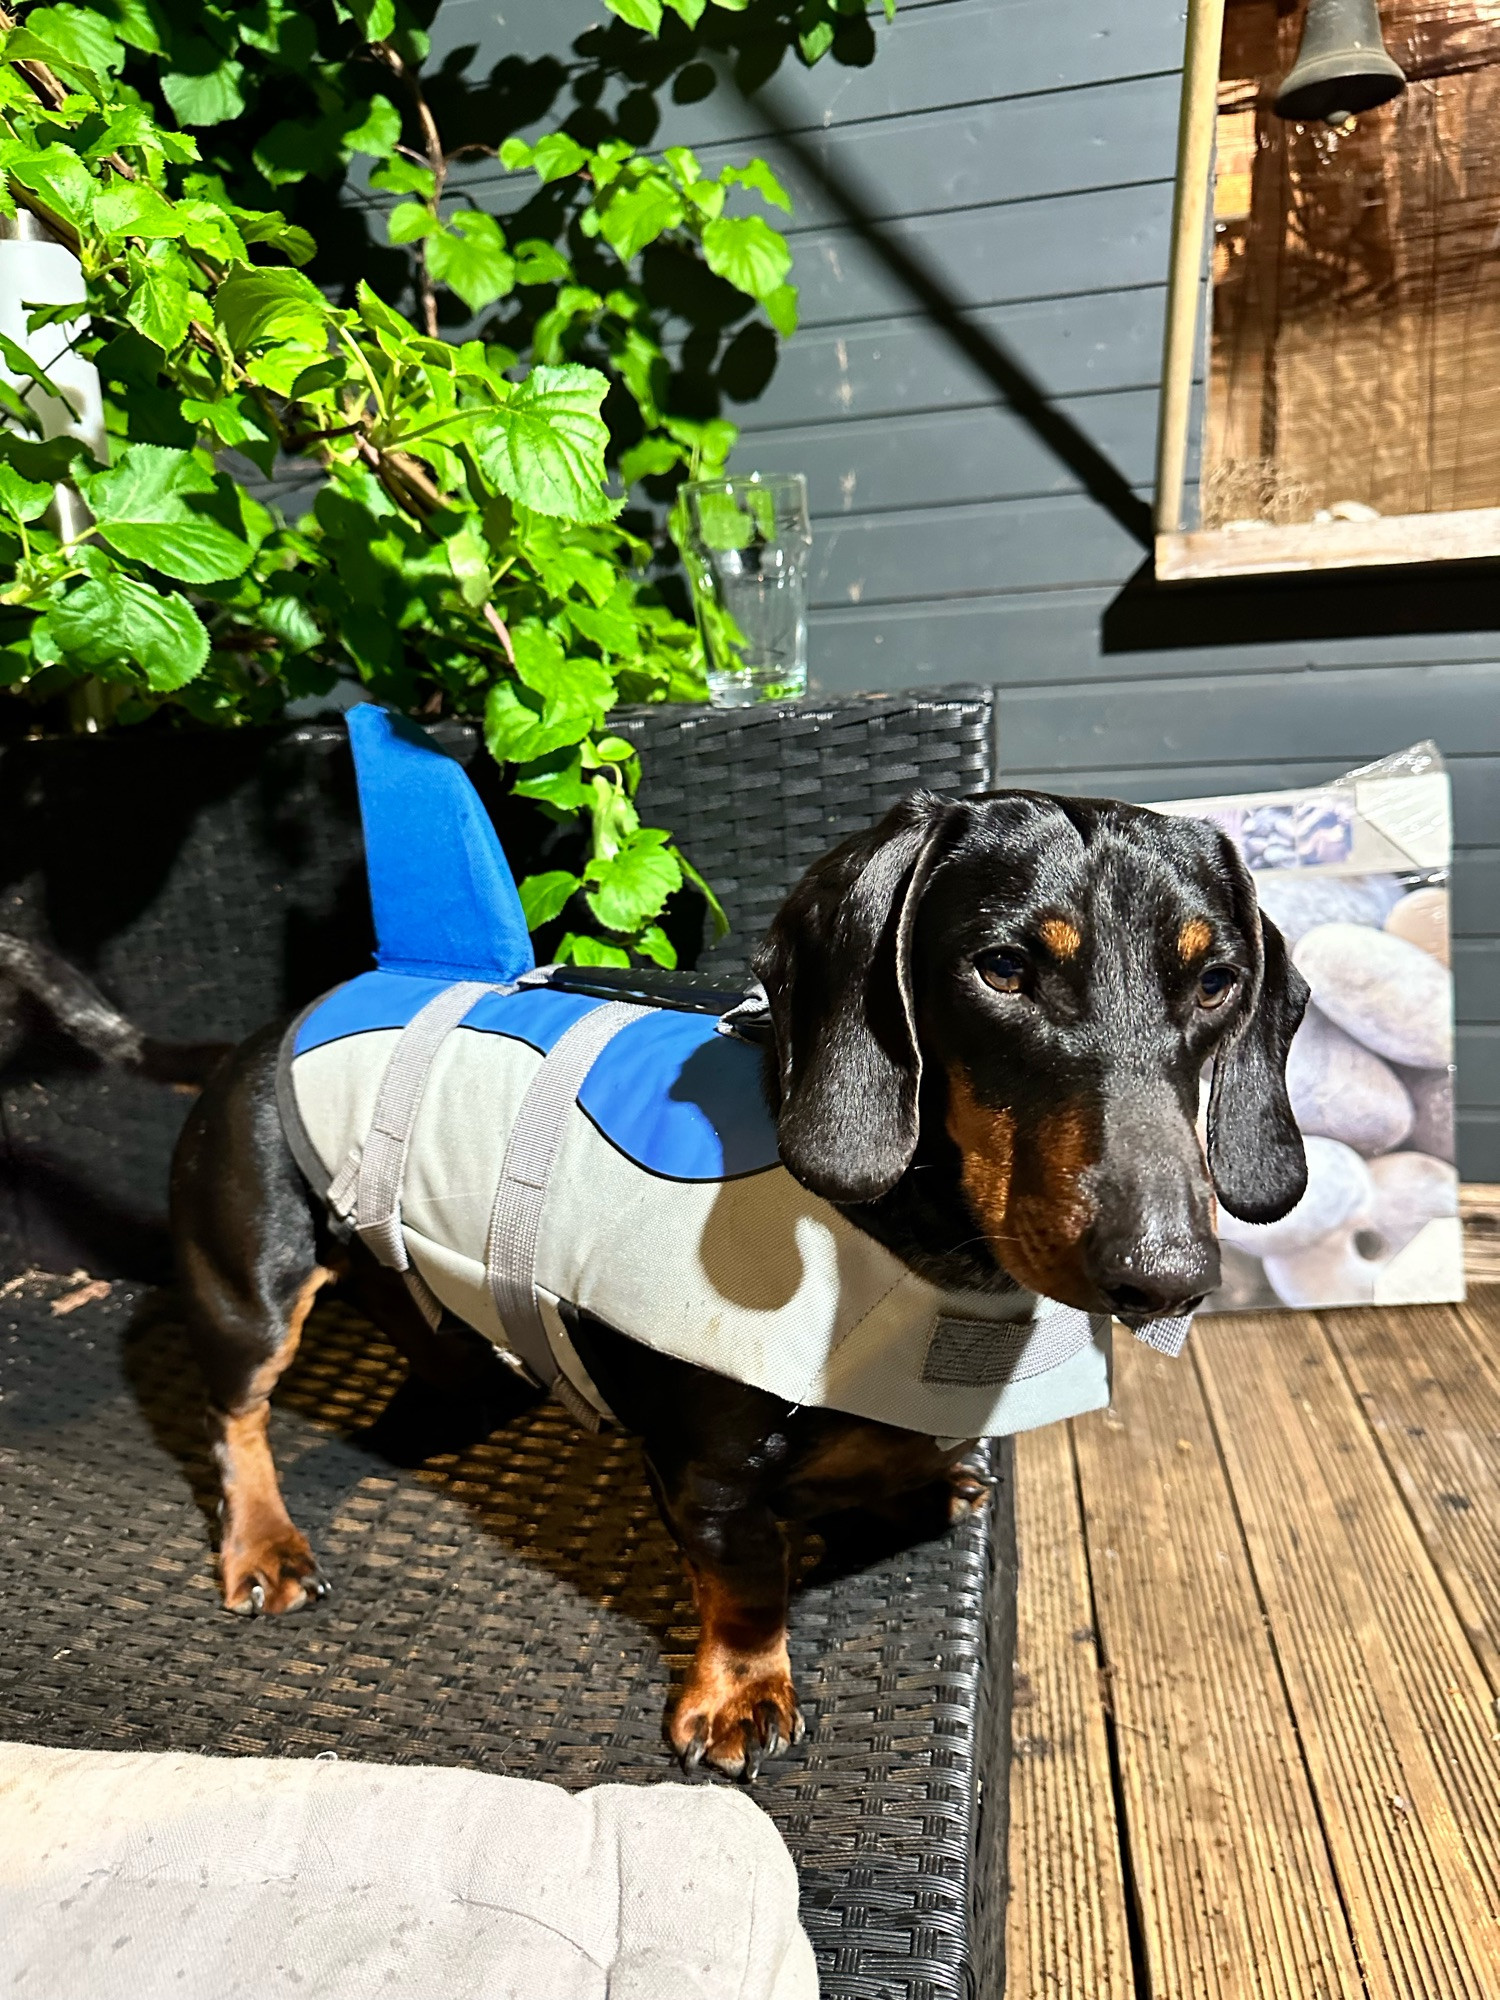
<point>757,795</point>
<point>514,1607</point>
<point>211,882</point>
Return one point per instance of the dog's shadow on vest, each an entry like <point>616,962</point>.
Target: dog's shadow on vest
<point>381,1473</point>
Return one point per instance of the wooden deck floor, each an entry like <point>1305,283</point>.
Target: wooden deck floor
<point>1258,1659</point>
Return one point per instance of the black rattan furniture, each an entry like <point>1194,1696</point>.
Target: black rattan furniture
<point>509,1602</point>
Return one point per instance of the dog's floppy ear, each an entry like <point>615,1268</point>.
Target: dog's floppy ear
<point>836,966</point>
<point>1255,1155</point>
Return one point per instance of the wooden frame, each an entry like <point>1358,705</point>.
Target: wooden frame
<point>1184,554</point>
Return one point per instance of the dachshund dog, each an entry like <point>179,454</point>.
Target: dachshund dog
<point>989,1018</point>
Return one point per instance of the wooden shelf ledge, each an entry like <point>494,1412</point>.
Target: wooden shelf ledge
<point>1466,536</point>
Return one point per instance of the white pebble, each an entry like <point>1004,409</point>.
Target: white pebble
<point>1386,993</point>
<point>1338,1187</point>
<point>1297,904</point>
<point>1339,1090</point>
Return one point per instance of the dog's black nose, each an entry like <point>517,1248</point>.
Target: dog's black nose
<point>1158,1281</point>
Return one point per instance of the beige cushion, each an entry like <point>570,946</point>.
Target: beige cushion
<point>208,1878</point>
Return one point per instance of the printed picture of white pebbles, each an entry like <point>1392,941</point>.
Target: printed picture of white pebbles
<point>1354,873</point>
<point>1371,1082</point>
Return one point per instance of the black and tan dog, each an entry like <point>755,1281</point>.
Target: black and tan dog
<point>990,1020</point>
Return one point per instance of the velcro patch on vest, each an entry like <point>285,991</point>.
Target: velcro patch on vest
<point>988,1354</point>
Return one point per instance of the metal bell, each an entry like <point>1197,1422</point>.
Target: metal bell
<point>1342,67</point>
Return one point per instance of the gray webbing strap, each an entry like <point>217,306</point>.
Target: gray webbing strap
<point>1167,1336</point>
<point>981,1353</point>
<point>382,1161</point>
<point>516,1217</point>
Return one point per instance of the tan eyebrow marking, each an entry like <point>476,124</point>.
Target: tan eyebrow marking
<point>1061,938</point>
<point>1194,939</point>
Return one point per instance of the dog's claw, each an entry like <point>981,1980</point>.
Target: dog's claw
<point>768,1726</point>
<point>257,1599</point>
<point>692,1756</point>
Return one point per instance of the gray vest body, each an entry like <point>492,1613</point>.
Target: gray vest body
<point>660,1206</point>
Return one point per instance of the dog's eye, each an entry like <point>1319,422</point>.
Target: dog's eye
<point>1004,970</point>
<point>1216,984</point>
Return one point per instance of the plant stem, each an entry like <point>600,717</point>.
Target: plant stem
<point>437,162</point>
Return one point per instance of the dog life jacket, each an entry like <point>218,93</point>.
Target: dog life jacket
<point>517,1148</point>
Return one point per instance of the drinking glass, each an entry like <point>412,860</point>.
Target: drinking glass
<point>748,544</point>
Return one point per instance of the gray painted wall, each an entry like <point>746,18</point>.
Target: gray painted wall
<point>1022,152</point>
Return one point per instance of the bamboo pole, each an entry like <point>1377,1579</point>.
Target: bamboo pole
<point>1195,156</point>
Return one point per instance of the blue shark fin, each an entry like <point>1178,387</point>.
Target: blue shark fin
<point>443,896</point>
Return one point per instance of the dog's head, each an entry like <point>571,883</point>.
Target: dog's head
<point>1046,978</point>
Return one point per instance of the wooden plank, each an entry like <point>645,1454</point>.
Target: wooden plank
<point>1066,1934</point>
<point>1073,346</point>
<point>1233,1883</point>
<point>1392,1709</point>
<point>1063,539</point>
<point>1348,715</point>
<point>1466,535</point>
<point>1102,136</point>
<point>1097,240</point>
<point>1430,1388</point>
<point>1045,638</point>
<point>928,58</point>
<point>944,457</point>
<point>933,58</point>
<point>1479,1205</point>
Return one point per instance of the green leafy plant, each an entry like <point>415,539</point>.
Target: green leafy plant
<point>465,553</point>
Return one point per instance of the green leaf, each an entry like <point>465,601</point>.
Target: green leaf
<point>409,221</point>
<point>890,9</point>
<point>715,907</point>
<point>120,628</point>
<point>141,509</point>
<point>159,299</point>
<point>577,948</point>
<point>721,522</point>
<point>376,18</point>
<point>20,362</point>
<point>539,263</point>
<point>653,943</point>
<point>575,686</point>
<point>75,36</point>
<point>289,620</point>
<point>58,175</point>
<point>630,887</point>
<point>289,238</point>
<point>398,176</point>
<point>690,11</point>
<point>135,22</point>
<point>208,97</point>
<point>757,175</point>
<point>638,13</point>
<point>611,628</point>
<point>544,897</point>
<point>134,208</point>
<point>469,559</point>
<point>516,729</point>
<point>19,498</point>
<point>632,217</point>
<point>545,447</point>
<point>555,157</point>
<point>748,253</point>
<point>814,42</point>
<point>255,306</point>
<point>781,309</point>
<point>470,258</point>
<point>378,132</point>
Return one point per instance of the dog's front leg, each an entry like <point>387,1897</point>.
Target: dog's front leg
<point>738,1704</point>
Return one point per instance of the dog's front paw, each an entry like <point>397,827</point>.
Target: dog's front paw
<point>968,1491</point>
<point>734,1722</point>
<point>276,1573</point>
